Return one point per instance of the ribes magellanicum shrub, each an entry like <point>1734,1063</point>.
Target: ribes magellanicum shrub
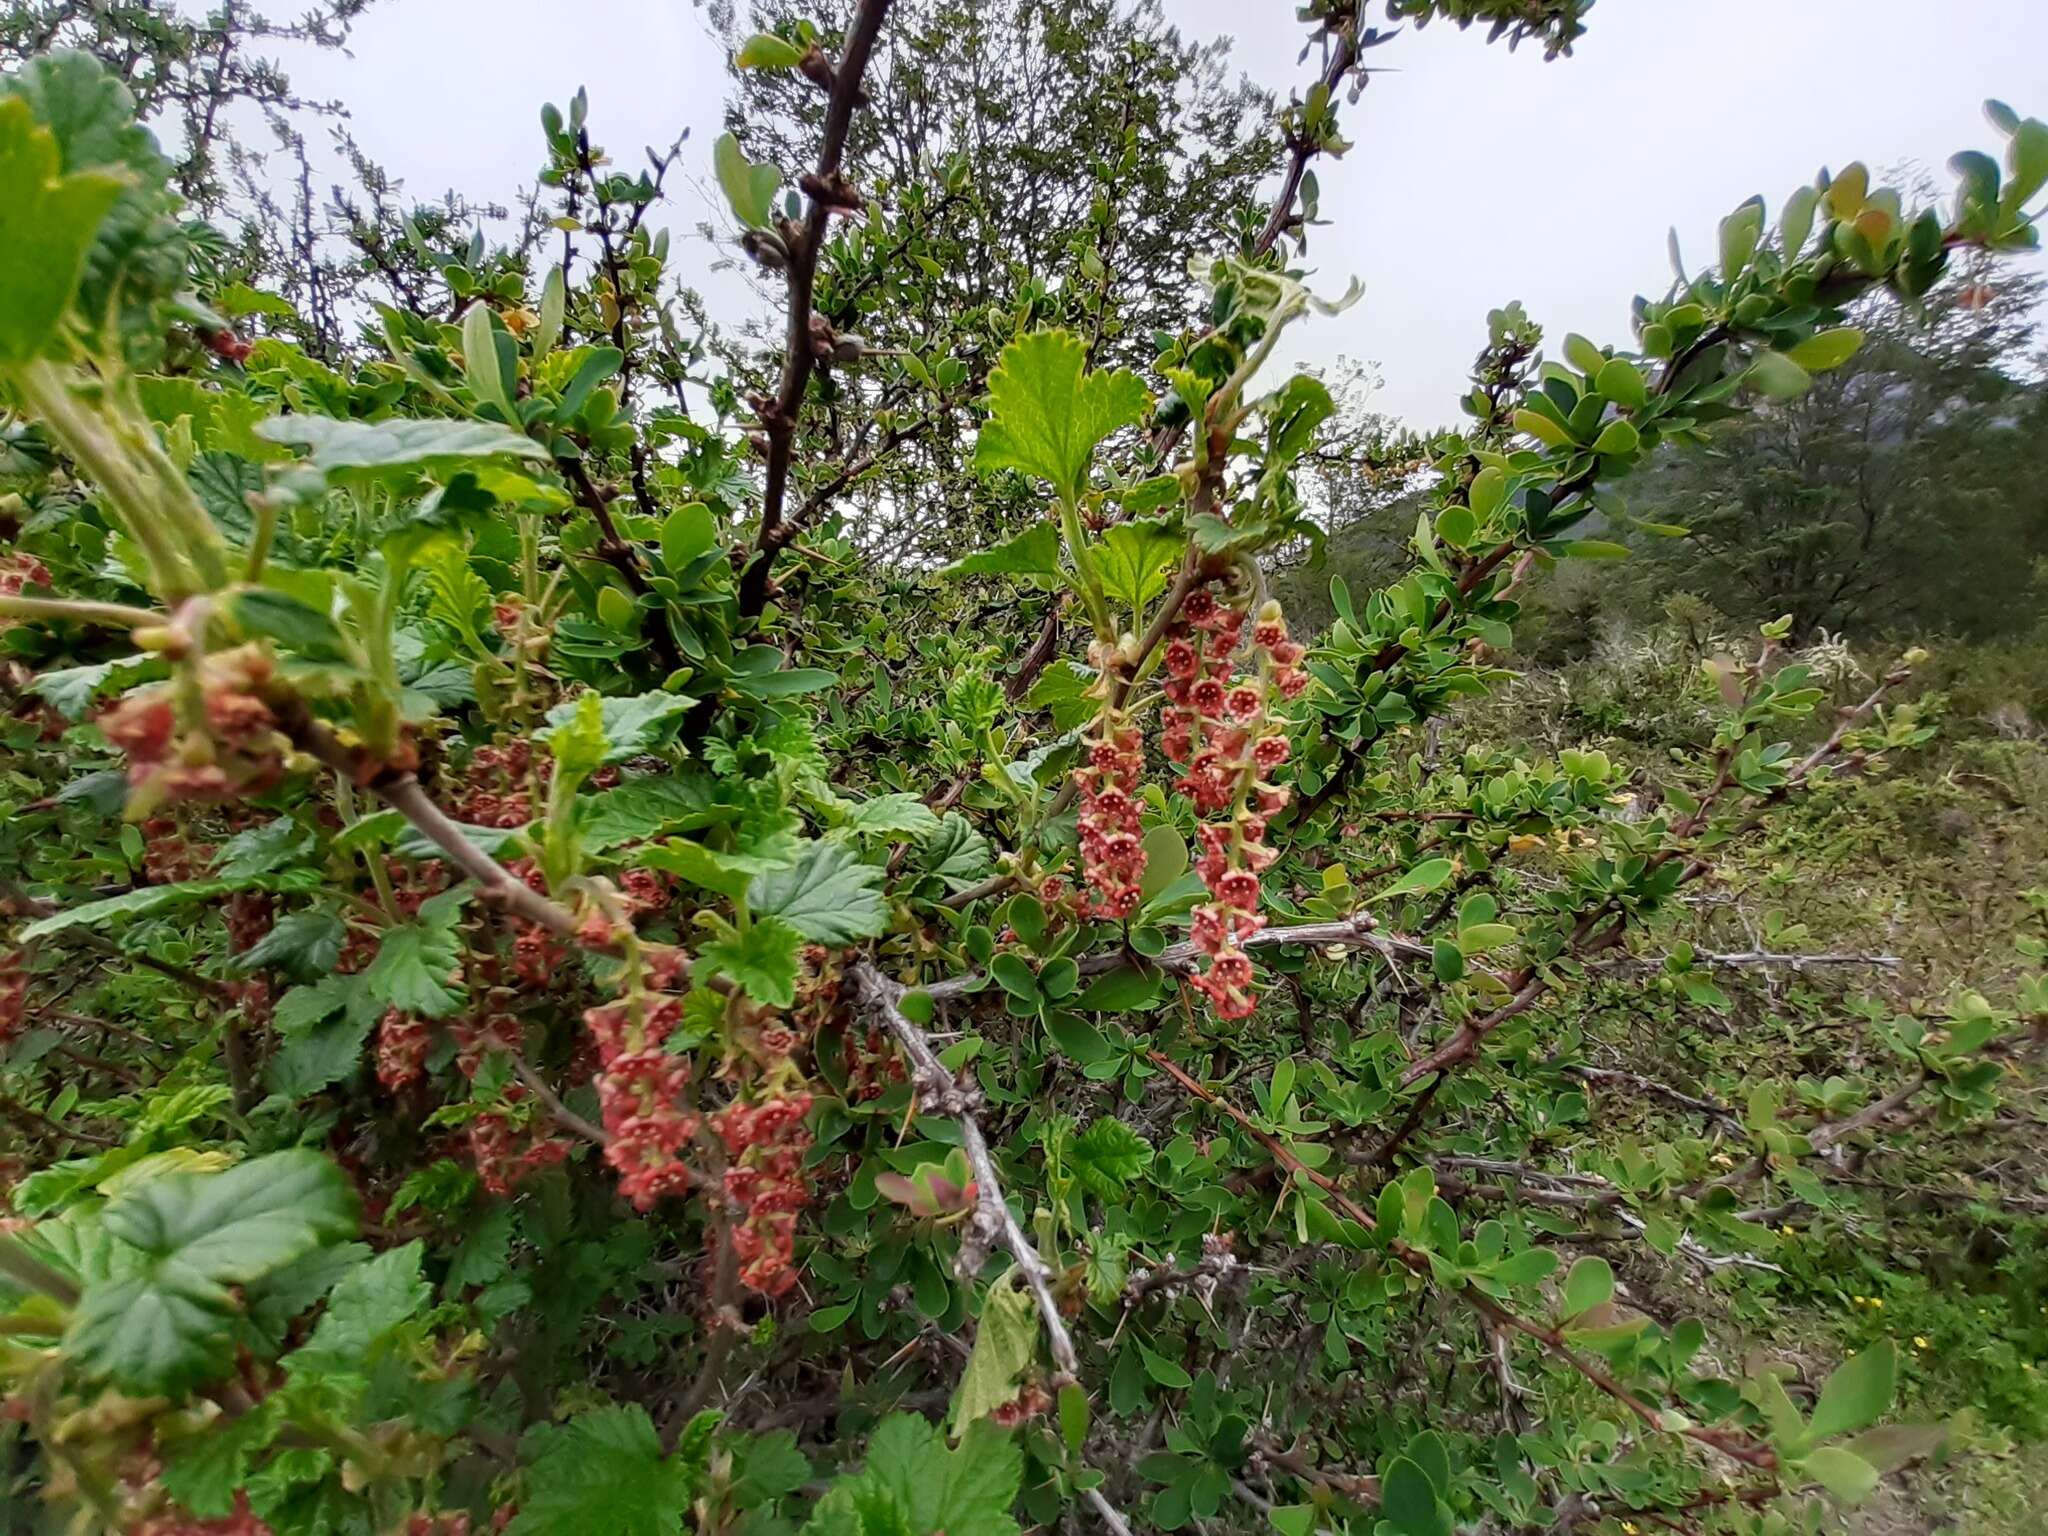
<point>544,993</point>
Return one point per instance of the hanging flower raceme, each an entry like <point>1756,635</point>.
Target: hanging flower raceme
<point>765,1141</point>
<point>402,1045</point>
<point>499,786</point>
<point>507,1156</point>
<point>13,993</point>
<point>1220,725</point>
<point>639,1089</point>
<point>1112,847</point>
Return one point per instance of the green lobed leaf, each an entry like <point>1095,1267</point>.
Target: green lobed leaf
<point>762,961</point>
<point>166,1326</point>
<point>365,1305</point>
<point>397,443</point>
<point>888,817</point>
<point>604,1471</point>
<point>1133,560</point>
<point>1047,413</point>
<point>1034,552</point>
<point>827,896</point>
<point>137,903</point>
<point>418,969</point>
<point>1109,1156</point>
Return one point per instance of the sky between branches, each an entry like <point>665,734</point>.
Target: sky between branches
<point>1478,175</point>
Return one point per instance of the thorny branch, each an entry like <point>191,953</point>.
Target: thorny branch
<point>941,1092</point>
<point>827,190</point>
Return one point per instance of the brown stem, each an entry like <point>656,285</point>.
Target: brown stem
<point>564,1116</point>
<point>779,421</point>
<point>14,897</point>
<point>1729,1443</point>
<point>620,555</point>
<point>20,1114</point>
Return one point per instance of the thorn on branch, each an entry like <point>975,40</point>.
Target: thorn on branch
<point>833,191</point>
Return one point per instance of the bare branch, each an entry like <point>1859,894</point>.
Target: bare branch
<point>940,1092</point>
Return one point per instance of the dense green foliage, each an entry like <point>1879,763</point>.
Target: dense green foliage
<point>561,976</point>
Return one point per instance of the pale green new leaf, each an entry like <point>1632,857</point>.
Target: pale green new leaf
<point>1047,413</point>
<point>1426,876</point>
<point>47,224</point>
<point>615,729</point>
<point>1858,1394</point>
<point>749,188</point>
<point>1005,1347</point>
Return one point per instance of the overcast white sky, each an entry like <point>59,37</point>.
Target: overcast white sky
<point>1478,175</point>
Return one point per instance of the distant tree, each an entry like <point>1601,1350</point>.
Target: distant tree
<point>1905,491</point>
<point>1028,162</point>
<point>186,71</point>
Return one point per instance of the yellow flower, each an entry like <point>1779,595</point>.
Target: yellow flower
<point>1877,1302</point>
<point>1920,1343</point>
<point>1628,1527</point>
<point>1789,1230</point>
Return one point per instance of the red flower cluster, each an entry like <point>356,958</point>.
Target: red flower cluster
<point>473,1042</point>
<point>505,1157</point>
<point>766,1143</point>
<point>501,784</point>
<point>402,1046</point>
<point>456,1524</point>
<point>168,856</point>
<point>638,1090</point>
<point>227,346</point>
<point>413,885</point>
<point>1283,655</point>
<point>1228,773</point>
<point>248,915</point>
<point>235,750</point>
<point>537,955</point>
<point>20,570</point>
<point>645,890</point>
<point>13,993</point>
<point>1112,851</point>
